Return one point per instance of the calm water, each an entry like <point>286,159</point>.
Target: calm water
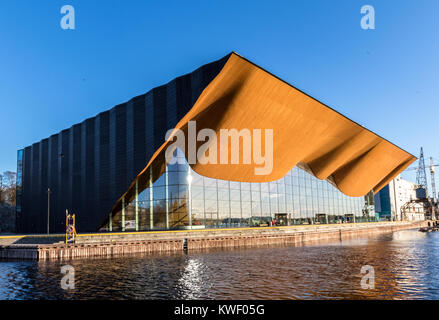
<point>406,266</point>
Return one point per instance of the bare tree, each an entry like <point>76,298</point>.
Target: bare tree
<point>8,184</point>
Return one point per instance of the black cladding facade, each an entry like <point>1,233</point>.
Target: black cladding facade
<point>90,165</point>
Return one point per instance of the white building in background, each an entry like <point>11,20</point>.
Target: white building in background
<point>390,200</point>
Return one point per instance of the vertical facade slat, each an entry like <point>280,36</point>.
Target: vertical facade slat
<point>112,154</point>
<point>36,176</point>
<point>129,141</point>
<point>90,179</point>
<point>139,135</point>
<point>82,193</point>
<point>97,165</point>
<point>44,164</point>
<point>149,124</point>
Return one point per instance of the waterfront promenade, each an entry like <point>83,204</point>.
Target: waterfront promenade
<point>47,247</point>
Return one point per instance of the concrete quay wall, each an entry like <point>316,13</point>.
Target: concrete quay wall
<point>116,244</point>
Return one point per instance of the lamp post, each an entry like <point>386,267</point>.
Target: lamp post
<point>48,209</point>
<point>189,181</point>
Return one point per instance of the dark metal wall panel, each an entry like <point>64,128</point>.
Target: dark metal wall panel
<point>26,221</point>
<point>62,192</point>
<point>81,191</point>
<point>183,98</point>
<point>89,166</point>
<point>139,135</point>
<point>121,158</point>
<point>90,180</point>
<point>129,139</point>
<point>36,177</point>
<point>149,123</point>
<point>104,164</point>
<point>171,105</point>
<point>76,172</point>
<point>44,165</point>
<point>54,175</point>
<point>159,115</point>
<point>69,161</point>
<point>112,154</point>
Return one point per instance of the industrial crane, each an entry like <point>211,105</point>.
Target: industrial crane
<point>432,165</point>
<point>431,208</point>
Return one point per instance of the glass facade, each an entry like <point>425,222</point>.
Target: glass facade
<point>19,183</point>
<point>181,199</point>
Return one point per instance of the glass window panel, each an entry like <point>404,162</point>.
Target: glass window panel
<point>256,208</point>
<point>182,190</point>
<point>282,200</point>
<point>197,192</point>
<point>223,207</point>
<point>144,195</point>
<point>235,195</point>
<point>235,185</point>
<point>210,193</point>
<point>265,196</point>
<point>246,209</point>
<point>255,187</point>
<point>182,177</point>
<point>173,191</point>
<point>160,181</point>
<point>235,207</point>
<point>173,178</point>
<point>197,180</point>
<point>208,182</point>
<point>265,208</point>
<point>211,205</point>
<point>159,193</point>
<point>173,167</point>
<point>245,195</point>
<point>183,167</point>
<point>273,204</point>
<point>256,196</point>
<point>245,186</point>
<point>223,194</point>
<point>159,217</point>
<point>223,184</point>
<point>281,188</point>
<point>198,206</point>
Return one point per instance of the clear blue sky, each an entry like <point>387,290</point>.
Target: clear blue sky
<point>385,79</point>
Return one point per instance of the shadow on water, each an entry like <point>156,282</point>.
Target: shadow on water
<point>404,263</point>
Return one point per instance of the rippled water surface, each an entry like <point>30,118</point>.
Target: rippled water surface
<point>406,265</point>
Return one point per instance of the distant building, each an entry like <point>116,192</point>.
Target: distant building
<point>398,194</point>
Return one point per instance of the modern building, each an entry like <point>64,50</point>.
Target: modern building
<point>111,170</point>
<point>392,200</point>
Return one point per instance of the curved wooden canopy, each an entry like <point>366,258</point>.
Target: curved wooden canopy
<point>305,132</point>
